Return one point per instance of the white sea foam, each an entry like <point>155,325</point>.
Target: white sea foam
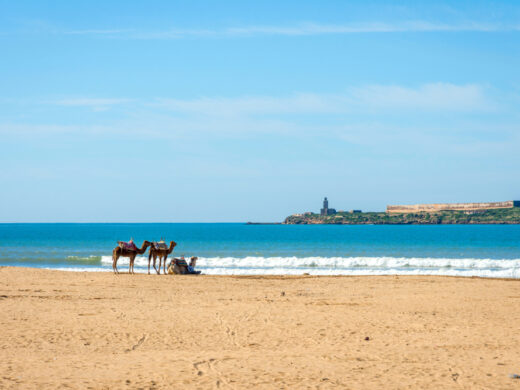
<point>347,266</point>
<point>511,273</point>
<point>140,261</point>
<point>82,269</point>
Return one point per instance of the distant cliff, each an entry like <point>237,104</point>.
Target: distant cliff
<point>498,216</point>
<point>434,207</point>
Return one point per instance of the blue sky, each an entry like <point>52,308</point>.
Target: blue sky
<point>168,111</point>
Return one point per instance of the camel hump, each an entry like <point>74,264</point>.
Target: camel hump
<point>129,246</point>
<point>161,245</point>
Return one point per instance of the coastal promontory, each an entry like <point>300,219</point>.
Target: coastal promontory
<point>427,214</point>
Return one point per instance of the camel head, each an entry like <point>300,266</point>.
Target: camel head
<point>172,246</point>
<point>193,261</point>
<point>146,244</point>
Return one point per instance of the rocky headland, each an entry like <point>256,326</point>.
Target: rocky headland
<point>498,216</point>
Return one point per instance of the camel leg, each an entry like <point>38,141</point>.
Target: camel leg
<point>130,263</point>
<point>154,263</point>
<point>164,264</point>
<point>160,262</point>
<point>149,259</point>
<point>115,257</point>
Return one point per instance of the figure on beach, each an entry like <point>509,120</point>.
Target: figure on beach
<point>161,251</point>
<point>191,267</point>
<point>130,250</point>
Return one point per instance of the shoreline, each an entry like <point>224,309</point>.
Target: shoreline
<point>143,272</point>
<point>509,271</point>
<point>102,330</point>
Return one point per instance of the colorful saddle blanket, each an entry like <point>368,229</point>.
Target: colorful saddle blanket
<point>129,246</point>
<point>181,262</point>
<point>160,245</point>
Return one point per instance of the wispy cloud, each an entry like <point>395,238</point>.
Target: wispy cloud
<point>317,29</point>
<point>301,29</point>
<point>430,97</point>
<point>427,97</point>
<point>309,114</point>
<point>97,32</point>
<point>97,104</point>
<point>89,102</point>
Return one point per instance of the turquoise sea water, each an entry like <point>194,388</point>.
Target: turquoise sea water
<point>468,250</point>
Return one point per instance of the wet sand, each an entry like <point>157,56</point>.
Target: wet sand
<point>102,331</point>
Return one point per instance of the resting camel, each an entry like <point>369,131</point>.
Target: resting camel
<point>131,254</point>
<point>178,267</point>
<point>162,254</point>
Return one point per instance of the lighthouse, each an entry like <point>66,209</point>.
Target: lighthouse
<point>325,210</point>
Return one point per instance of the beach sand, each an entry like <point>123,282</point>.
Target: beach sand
<point>105,331</point>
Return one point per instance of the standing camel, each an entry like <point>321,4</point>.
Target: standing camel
<point>161,253</point>
<point>120,251</point>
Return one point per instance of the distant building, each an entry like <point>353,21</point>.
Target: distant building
<point>355,211</point>
<point>469,207</point>
<point>325,210</point>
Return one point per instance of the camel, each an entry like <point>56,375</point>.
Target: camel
<point>162,254</point>
<point>180,267</point>
<point>131,254</point>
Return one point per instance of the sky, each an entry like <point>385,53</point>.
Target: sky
<point>230,111</point>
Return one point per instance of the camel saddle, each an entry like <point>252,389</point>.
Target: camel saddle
<point>160,246</point>
<point>128,246</point>
<point>181,262</point>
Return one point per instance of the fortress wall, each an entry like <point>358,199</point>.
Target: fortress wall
<point>451,206</point>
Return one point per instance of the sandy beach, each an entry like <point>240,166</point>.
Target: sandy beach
<point>102,331</point>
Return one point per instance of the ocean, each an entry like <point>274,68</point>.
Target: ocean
<point>240,249</point>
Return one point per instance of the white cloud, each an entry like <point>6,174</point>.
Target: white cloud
<point>96,104</point>
<point>172,118</point>
<point>317,29</point>
<point>360,115</point>
<point>97,32</point>
<point>299,103</point>
<point>33,129</point>
<point>302,29</point>
<point>427,97</point>
<point>90,102</point>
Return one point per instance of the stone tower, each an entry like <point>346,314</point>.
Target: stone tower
<point>325,210</point>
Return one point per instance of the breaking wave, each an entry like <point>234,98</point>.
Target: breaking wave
<point>346,266</point>
<point>84,259</point>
